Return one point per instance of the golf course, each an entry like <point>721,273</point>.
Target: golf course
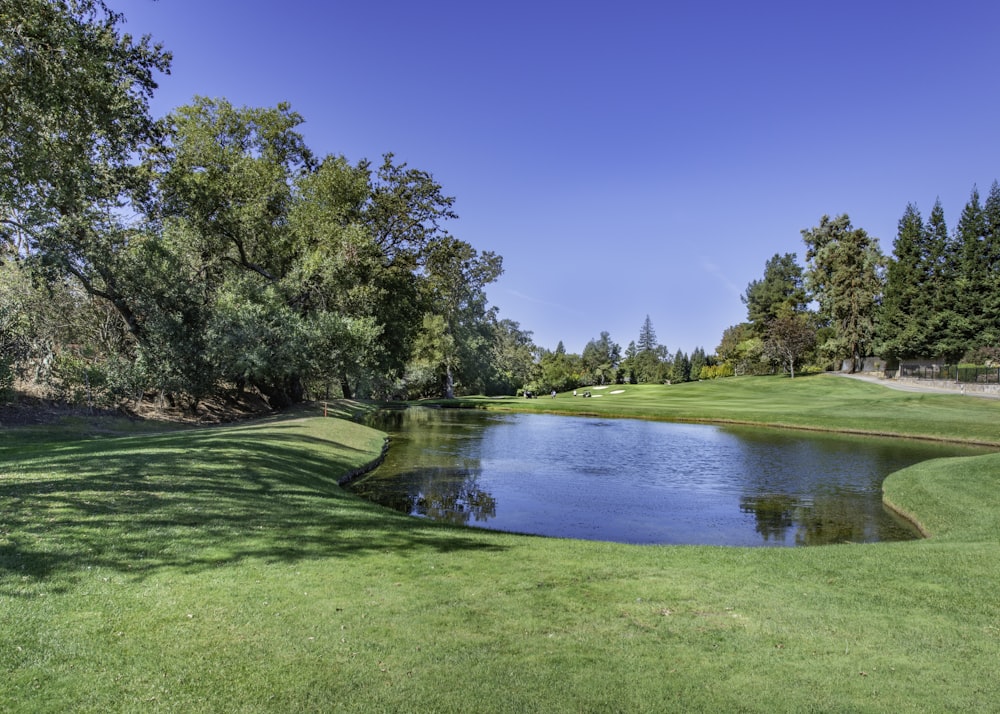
<point>150,567</point>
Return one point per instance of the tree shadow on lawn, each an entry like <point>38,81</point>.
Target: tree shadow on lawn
<point>194,501</point>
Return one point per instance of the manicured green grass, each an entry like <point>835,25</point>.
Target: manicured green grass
<point>224,570</point>
<point>824,401</point>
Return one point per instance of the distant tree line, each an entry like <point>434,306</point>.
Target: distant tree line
<point>937,297</point>
<point>603,362</point>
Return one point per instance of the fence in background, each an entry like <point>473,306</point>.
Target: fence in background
<point>968,374</point>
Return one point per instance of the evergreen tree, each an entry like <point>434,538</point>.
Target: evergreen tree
<point>698,361</point>
<point>845,276</point>
<point>989,333</point>
<point>780,292</point>
<point>680,368</point>
<point>628,364</point>
<point>647,337</point>
<point>905,312</point>
<point>958,314</point>
<point>600,359</point>
<point>647,362</point>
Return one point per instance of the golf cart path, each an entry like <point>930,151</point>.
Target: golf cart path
<point>913,387</point>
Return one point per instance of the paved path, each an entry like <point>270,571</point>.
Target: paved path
<point>927,388</point>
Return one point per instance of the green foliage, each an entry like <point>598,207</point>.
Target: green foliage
<point>13,342</point>
<point>902,319</point>
<point>559,371</point>
<point>699,360</point>
<point>74,114</point>
<point>781,292</point>
<point>645,362</point>
<point>456,275</point>
<point>742,352</point>
<point>244,258</point>
<point>716,371</point>
<point>844,276</point>
<point>427,374</point>
<point>647,337</point>
<point>513,358</point>
<point>600,360</point>
<point>789,339</point>
<point>680,368</point>
<point>940,295</point>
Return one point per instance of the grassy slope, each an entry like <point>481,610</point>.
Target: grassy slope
<point>815,402</point>
<point>225,570</point>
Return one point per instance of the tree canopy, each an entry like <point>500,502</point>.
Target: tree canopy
<point>230,254</point>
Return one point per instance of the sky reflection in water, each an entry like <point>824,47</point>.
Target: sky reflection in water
<point>635,481</point>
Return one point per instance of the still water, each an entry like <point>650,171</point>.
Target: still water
<point>635,481</point>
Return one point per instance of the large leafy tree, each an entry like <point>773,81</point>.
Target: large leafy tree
<point>345,260</point>
<point>74,112</point>
<point>457,328</point>
<point>789,339</point>
<point>559,370</point>
<point>845,277</point>
<point>225,187</point>
<point>368,234</point>
<point>513,358</point>
<point>229,252</point>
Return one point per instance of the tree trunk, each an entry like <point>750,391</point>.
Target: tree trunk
<point>345,387</point>
<point>449,384</point>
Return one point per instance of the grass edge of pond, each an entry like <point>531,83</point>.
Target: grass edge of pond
<point>354,608</point>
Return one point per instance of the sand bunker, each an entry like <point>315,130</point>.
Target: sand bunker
<point>617,391</point>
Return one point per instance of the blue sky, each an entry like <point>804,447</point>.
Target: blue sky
<point>626,159</point>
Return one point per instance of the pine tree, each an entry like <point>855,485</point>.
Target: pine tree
<point>647,337</point>
<point>780,292</point>
<point>845,275</point>
<point>698,362</point>
<point>680,370</point>
<point>898,323</point>
<point>646,362</point>
<point>989,334</point>
<point>957,315</point>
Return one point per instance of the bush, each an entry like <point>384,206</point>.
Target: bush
<point>984,355</point>
<point>716,371</point>
<point>76,380</point>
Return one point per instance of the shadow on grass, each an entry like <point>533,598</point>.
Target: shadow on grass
<point>194,500</point>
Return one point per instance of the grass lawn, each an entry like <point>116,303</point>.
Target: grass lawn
<point>224,570</point>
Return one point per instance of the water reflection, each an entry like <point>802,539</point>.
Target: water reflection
<point>774,514</point>
<point>443,494</point>
<point>638,481</point>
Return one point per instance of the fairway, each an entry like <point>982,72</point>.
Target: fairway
<point>223,569</point>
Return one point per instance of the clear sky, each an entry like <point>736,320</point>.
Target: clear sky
<point>626,159</point>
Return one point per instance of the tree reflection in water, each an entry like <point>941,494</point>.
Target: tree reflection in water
<point>843,517</point>
<point>639,482</point>
<point>442,494</point>
<point>774,514</point>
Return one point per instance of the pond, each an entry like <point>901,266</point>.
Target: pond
<point>634,481</point>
